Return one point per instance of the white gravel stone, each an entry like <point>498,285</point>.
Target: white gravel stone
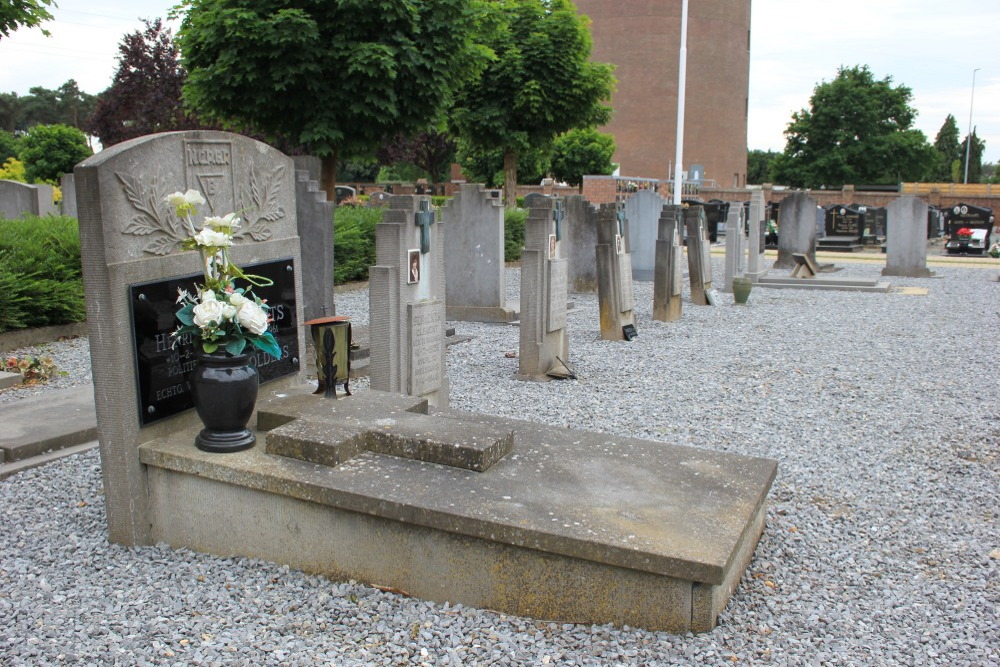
<point>881,546</point>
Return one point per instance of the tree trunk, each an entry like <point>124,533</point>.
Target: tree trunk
<point>329,176</point>
<point>509,178</point>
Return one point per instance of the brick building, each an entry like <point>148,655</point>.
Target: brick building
<point>642,38</point>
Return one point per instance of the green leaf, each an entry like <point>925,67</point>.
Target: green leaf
<point>268,344</point>
<point>186,314</point>
<point>235,347</point>
<point>209,346</point>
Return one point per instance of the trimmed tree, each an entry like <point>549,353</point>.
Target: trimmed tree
<point>540,85</point>
<point>857,130</point>
<point>948,148</point>
<point>580,152</point>
<point>336,76</point>
<point>49,151</point>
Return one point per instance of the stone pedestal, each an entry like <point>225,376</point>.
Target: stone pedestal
<point>669,276</point>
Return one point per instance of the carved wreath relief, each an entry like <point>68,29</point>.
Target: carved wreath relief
<point>208,168</point>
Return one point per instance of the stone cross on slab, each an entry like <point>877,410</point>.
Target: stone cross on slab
<point>303,428</point>
<point>621,219</point>
<point>558,213</point>
<point>424,218</point>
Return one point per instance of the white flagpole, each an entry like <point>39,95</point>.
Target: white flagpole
<point>681,82</point>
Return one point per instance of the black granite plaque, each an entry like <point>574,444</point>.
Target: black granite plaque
<point>163,371</point>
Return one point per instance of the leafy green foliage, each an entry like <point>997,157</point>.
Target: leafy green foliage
<point>541,83</point>
<point>41,280</point>
<point>13,170</point>
<point>337,76</point>
<point>975,159</point>
<point>582,152</point>
<point>948,148</point>
<point>66,105</point>
<point>16,14</point>
<point>49,151</point>
<point>759,166</point>
<point>9,144</point>
<point>354,242</point>
<point>513,233</point>
<point>857,130</point>
<point>486,165</point>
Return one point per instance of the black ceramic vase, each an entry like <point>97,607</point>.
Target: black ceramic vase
<point>224,388</point>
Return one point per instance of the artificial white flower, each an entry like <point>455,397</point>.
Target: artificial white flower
<point>228,310</point>
<point>182,295</point>
<point>213,239</point>
<point>216,222</point>
<point>207,295</point>
<point>185,200</point>
<point>208,314</point>
<point>252,318</point>
<point>238,299</point>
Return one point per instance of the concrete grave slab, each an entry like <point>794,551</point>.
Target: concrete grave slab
<point>570,526</point>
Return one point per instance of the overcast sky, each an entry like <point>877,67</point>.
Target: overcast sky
<point>930,46</point>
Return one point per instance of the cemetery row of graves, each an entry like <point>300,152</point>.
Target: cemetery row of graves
<point>325,464</point>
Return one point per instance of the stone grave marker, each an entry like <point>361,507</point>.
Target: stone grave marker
<point>796,229</point>
<point>699,254</point>
<point>643,211</point>
<point>533,199</point>
<point>757,227</point>
<point>906,238</point>
<point>314,215</point>
<point>132,264</point>
<point>614,274</point>
<point>378,198</point>
<point>844,228</point>
<point>475,283</point>
<point>577,244</point>
<point>669,266</point>
<point>735,241</point>
<point>544,343</point>
<point>16,199</point>
<point>406,296</point>
<point>68,186</point>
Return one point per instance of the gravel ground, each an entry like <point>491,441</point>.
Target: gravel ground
<point>881,546</point>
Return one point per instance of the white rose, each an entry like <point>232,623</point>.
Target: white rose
<point>213,239</point>
<point>237,299</point>
<point>215,222</point>
<point>228,311</point>
<point>208,295</point>
<point>252,318</point>
<point>185,201</point>
<point>208,314</point>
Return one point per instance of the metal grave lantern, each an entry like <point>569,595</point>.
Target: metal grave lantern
<point>332,338</point>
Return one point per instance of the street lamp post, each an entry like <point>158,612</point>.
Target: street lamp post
<point>968,138</point>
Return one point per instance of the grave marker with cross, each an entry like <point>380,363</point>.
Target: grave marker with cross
<point>558,213</point>
<point>424,218</point>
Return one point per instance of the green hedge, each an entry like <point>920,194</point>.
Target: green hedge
<point>354,242</point>
<point>41,281</point>
<point>513,233</point>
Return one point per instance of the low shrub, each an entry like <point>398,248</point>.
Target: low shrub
<point>354,242</point>
<point>513,233</point>
<point>41,280</point>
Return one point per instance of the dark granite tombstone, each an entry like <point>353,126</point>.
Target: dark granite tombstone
<point>844,226</point>
<point>345,192</point>
<point>978,220</point>
<point>163,370</point>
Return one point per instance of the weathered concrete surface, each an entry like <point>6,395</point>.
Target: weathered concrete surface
<point>38,424</point>
<point>570,525</point>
